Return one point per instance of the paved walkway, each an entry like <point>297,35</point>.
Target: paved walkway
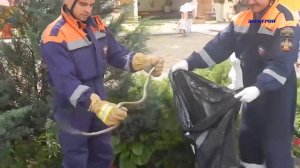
<point>175,47</point>
<point>171,27</point>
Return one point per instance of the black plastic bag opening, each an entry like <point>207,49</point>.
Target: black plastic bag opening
<point>207,114</point>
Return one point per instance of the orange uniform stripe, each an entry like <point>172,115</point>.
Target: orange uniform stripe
<point>71,31</point>
<point>241,20</point>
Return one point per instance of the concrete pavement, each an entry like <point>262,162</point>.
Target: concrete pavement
<point>171,27</point>
<point>162,27</point>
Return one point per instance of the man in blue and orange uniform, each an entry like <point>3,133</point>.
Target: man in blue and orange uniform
<point>76,49</point>
<point>268,51</point>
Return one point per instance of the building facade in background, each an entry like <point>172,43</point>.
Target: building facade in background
<point>206,8</point>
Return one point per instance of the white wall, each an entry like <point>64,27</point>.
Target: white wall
<point>224,12</point>
<point>228,10</point>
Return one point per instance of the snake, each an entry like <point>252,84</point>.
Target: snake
<point>137,103</point>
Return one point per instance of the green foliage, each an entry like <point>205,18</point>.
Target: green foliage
<point>35,152</point>
<point>296,148</point>
<point>297,123</point>
<point>16,123</point>
<point>297,118</point>
<point>296,151</point>
<point>12,124</point>
<point>7,94</point>
<point>151,136</point>
<point>12,127</point>
<point>103,7</point>
<point>136,40</point>
<point>21,57</point>
<point>217,73</point>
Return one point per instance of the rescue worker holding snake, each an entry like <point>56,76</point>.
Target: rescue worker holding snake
<point>76,49</point>
<point>268,51</point>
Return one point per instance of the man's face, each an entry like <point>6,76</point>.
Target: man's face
<point>82,9</point>
<point>257,6</point>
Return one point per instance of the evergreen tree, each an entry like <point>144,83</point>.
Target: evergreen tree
<point>11,123</point>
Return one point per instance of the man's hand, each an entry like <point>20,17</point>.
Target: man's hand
<point>183,64</point>
<point>107,112</point>
<point>143,62</point>
<point>248,94</point>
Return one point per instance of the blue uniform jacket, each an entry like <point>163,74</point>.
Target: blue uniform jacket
<point>267,49</point>
<point>76,55</point>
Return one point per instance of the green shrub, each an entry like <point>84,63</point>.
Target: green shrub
<point>148,136</point>
<point>217,73</point>
<point>151,137</point>
<point>296,148</point>
<point>35,152</point>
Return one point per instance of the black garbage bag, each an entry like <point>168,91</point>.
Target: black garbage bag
<point>207,114</point>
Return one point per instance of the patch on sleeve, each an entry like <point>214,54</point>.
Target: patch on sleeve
<point>286,44</point>
<point>287,32</point>
<point>286,35</point>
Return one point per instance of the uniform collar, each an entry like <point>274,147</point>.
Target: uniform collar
<point>77,24</point>
<point>272,12</point>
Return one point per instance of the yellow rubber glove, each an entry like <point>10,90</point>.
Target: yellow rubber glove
<point>107,112</point>
<point>146,62</point>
